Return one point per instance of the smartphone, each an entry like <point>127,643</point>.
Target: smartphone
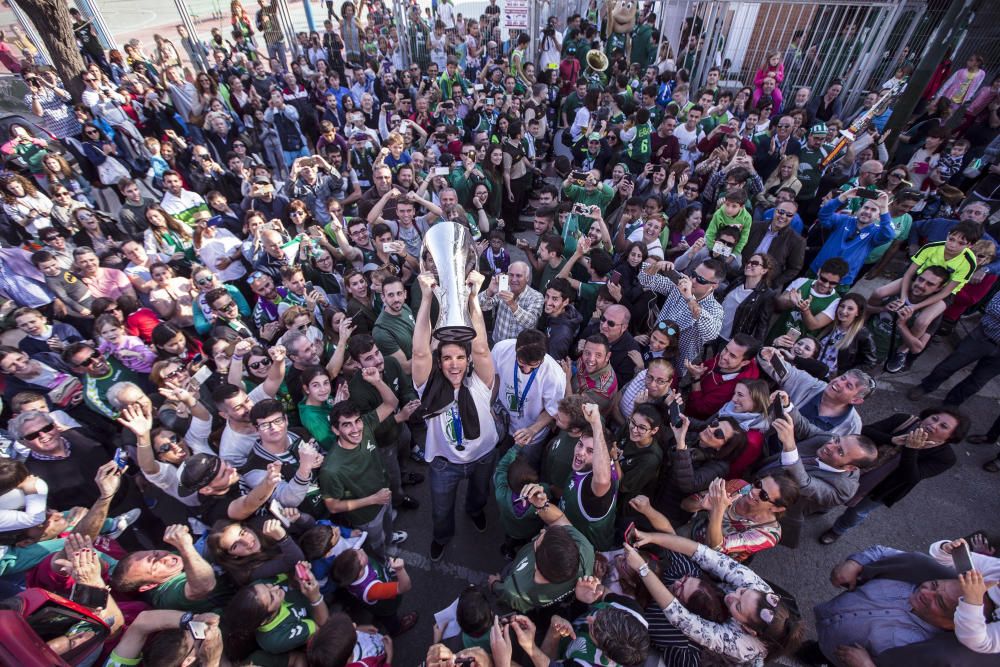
<point>478,86</point>
<point>507,619</point>
<point>121,458</point>
<point>674,275</point>
<point>503,282</point>
<point>489,101</point>
<point>580,175</point>
<point>720,248</point>
<point>725,129</point>
<point>387,247</point>
<point>866,194</point>
<point>776,411</point>
<point>675,415</point>
<point>214,221</point>
<point>441,171</point>
<point>277,511</point>
<point>778,364</point>
<point>202,375</point>
<point>198,629</point>
<point>89,596</point>
<point>301,572</point>
<point>616,278</point>
<point>630,534</point>
<point>794,334</point>
<point>309,285</point>
<point>963,561</point>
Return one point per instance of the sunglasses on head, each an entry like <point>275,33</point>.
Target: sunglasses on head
<point>34,436</point>
<point>663,326</point>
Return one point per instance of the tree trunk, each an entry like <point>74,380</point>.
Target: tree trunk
<point>54,25</point>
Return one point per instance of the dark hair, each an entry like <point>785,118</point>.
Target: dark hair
<point>41,256</point>
<point>316,541</point>
<point>939,271</point>
<point>332,645</point>
<point>717,268</point>
<point>733,446</point>
<point>265,408</point>
<point>12,473</point>
<point>310,374</point>
<point>970,231</point>
<point>789,489</point>
<point>961,428</point>
<point>562,286</point>
<point>239,568</point>
<point>341,410</point>
<point>474,614</point>
<point>531,346</point>
<point>239,622</point>
<point>346,567</point>
<point>359,344</point>
<point>751,344</point>
<point>599,339</point>
<point>521,472</point>
<point>215,294</point>
<point>785,631</point>
<point>730,231</point>
<point>572,405</point>
<point>164,331</point>
<point>557,557</point>
<point>835,265</point>
<point>620,634</point>
<point>601,262</point>
<point>553,242</point>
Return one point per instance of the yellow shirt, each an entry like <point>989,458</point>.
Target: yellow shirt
<point>961,267</point>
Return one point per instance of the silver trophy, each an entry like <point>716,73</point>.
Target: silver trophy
<point>450,255</point>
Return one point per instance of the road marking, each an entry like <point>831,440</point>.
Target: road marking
<point>442,567</point>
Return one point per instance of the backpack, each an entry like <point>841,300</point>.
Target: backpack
<point>288,133</point>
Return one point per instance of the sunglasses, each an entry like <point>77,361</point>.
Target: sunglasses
<point>263,363</point>
<point>701,280</point>
<point>663,326</point>
<point>256,275</point>
<point>226,306</point>
<point>755,262</point>
<point>690,188</point>
<point>174,373</point>
<point>761,493</point>
<point>715,431</point>
<point>783,213</point>
<point>831,283</point>
<point>34,436</point>
<point>610,323</point>
<point>172,441</point>
<point>206,281</point>
<point>94,356</point>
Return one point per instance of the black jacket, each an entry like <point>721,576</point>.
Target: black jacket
<point>913,466</point>
<point>561,331</point>
<point>860,353</point>
<point>788,251</point>
<point>753,315</point>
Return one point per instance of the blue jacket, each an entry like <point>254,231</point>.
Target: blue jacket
<point>846,242</point>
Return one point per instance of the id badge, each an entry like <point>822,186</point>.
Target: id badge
<point>513,403</point>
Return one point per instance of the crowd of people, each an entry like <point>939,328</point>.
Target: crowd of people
<point>221,381</point>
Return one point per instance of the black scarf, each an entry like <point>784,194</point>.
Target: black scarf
<point>440,393</point>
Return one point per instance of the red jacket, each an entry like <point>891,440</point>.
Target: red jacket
<point>715,391</point>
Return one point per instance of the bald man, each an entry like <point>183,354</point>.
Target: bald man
<point>868,177</point>
<point>626,359</point>
<point>518,308</point>
<point>270,259</point>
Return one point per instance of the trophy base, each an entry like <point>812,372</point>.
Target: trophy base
<point>454,334</point>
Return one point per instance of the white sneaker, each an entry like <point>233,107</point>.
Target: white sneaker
<point>398,537</point>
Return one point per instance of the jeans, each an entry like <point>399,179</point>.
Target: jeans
<point>390,459</point>
<point>445,477</point>
<point>976,347</point>
<point>379,530</point>
<point>855,516</point>
<point>290,156</point>
<point>276,50</point>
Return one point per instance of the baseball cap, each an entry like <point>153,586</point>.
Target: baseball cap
<point>594,136</point>
<point>818,128</point>
<point>262,180</point>
<point>198,472</point>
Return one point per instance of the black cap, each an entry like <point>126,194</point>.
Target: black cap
<point>199,471</point>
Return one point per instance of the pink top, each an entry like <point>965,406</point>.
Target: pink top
<point>109,283</point>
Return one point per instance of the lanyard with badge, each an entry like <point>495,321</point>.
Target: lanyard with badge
<point>456,423</point>
<point>516,401</point>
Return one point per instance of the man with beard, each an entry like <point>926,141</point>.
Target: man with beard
<point>181,204</point>
<point>716,379</point>
<point>234,405</point>
<point>853,237</point>
<point>895,311</point>
<point>594,376</point>
<point>393,330</point>
<point>98,373</point>
<point>530,385</point>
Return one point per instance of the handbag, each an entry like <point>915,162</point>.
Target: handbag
<point>111,171</point>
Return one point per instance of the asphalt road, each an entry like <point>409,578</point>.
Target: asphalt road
<point>951,505</point>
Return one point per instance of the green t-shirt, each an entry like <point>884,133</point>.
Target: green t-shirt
<point>601,196</point>
<point>395,332</point>
<point>351,474</point>
<point>810,172</point>
<point>588,300</point>
<point>170,595</point>
<point>901,224</point>
<point>290,628</point>
<point>519,589</point>
<point>640,148</point>
<point>367,398</point>
<point>316,420</point>
<point>517,524</point>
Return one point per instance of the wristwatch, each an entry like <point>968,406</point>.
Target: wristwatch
<point>185,620</point>
<point>644,570</point>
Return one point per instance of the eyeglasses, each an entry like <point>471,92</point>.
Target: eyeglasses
<point>272,425</point>
<point>690,188</point>
<point>34,436</point>
<point>663,326</point>
<point>263,363</point>
<point>610,323</point>
<point>239,145</point>
<point>638,427</point>
<point>702,280</point>
<point>92,132</point>
<point>761,493</point>
<point>172,441</point>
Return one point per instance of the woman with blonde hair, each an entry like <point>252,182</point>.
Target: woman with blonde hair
<point>785,175</point>
<point>846,343</point>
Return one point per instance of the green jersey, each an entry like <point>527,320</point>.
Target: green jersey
<point>367,398</point>
<point>592,516</point>
<point>522,593</point>
<point>810,171</point>
<point>290,628</point>
<point>640,148</point>
<point>519,518</point>
<point>395,332</point>
<point>170,595</point>
<point>557,465</point>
